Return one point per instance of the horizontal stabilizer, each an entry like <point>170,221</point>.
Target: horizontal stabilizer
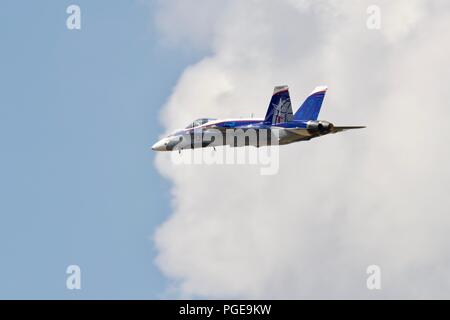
<point>343,128</point>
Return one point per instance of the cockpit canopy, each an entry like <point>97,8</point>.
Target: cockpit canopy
<point>199,122</point>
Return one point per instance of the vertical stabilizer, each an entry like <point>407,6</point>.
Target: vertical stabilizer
<point>310,109</point>
<point>280,108</point>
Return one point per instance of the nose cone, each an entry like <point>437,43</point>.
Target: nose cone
<point>160,145</point>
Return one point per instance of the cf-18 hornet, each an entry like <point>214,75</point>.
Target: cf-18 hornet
<point>280,126</point>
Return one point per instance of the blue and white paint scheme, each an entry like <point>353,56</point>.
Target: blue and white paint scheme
<point>280,126</point>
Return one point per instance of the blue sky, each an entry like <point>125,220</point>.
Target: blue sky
<point>78,113</point>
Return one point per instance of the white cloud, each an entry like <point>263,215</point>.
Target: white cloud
<point>340,202</point>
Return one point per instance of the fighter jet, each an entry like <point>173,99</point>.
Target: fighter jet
<point>280,126</point>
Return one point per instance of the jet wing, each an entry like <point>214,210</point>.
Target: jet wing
<point>225,126</point>
<point>217,127</point>
<point>299,131</point>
